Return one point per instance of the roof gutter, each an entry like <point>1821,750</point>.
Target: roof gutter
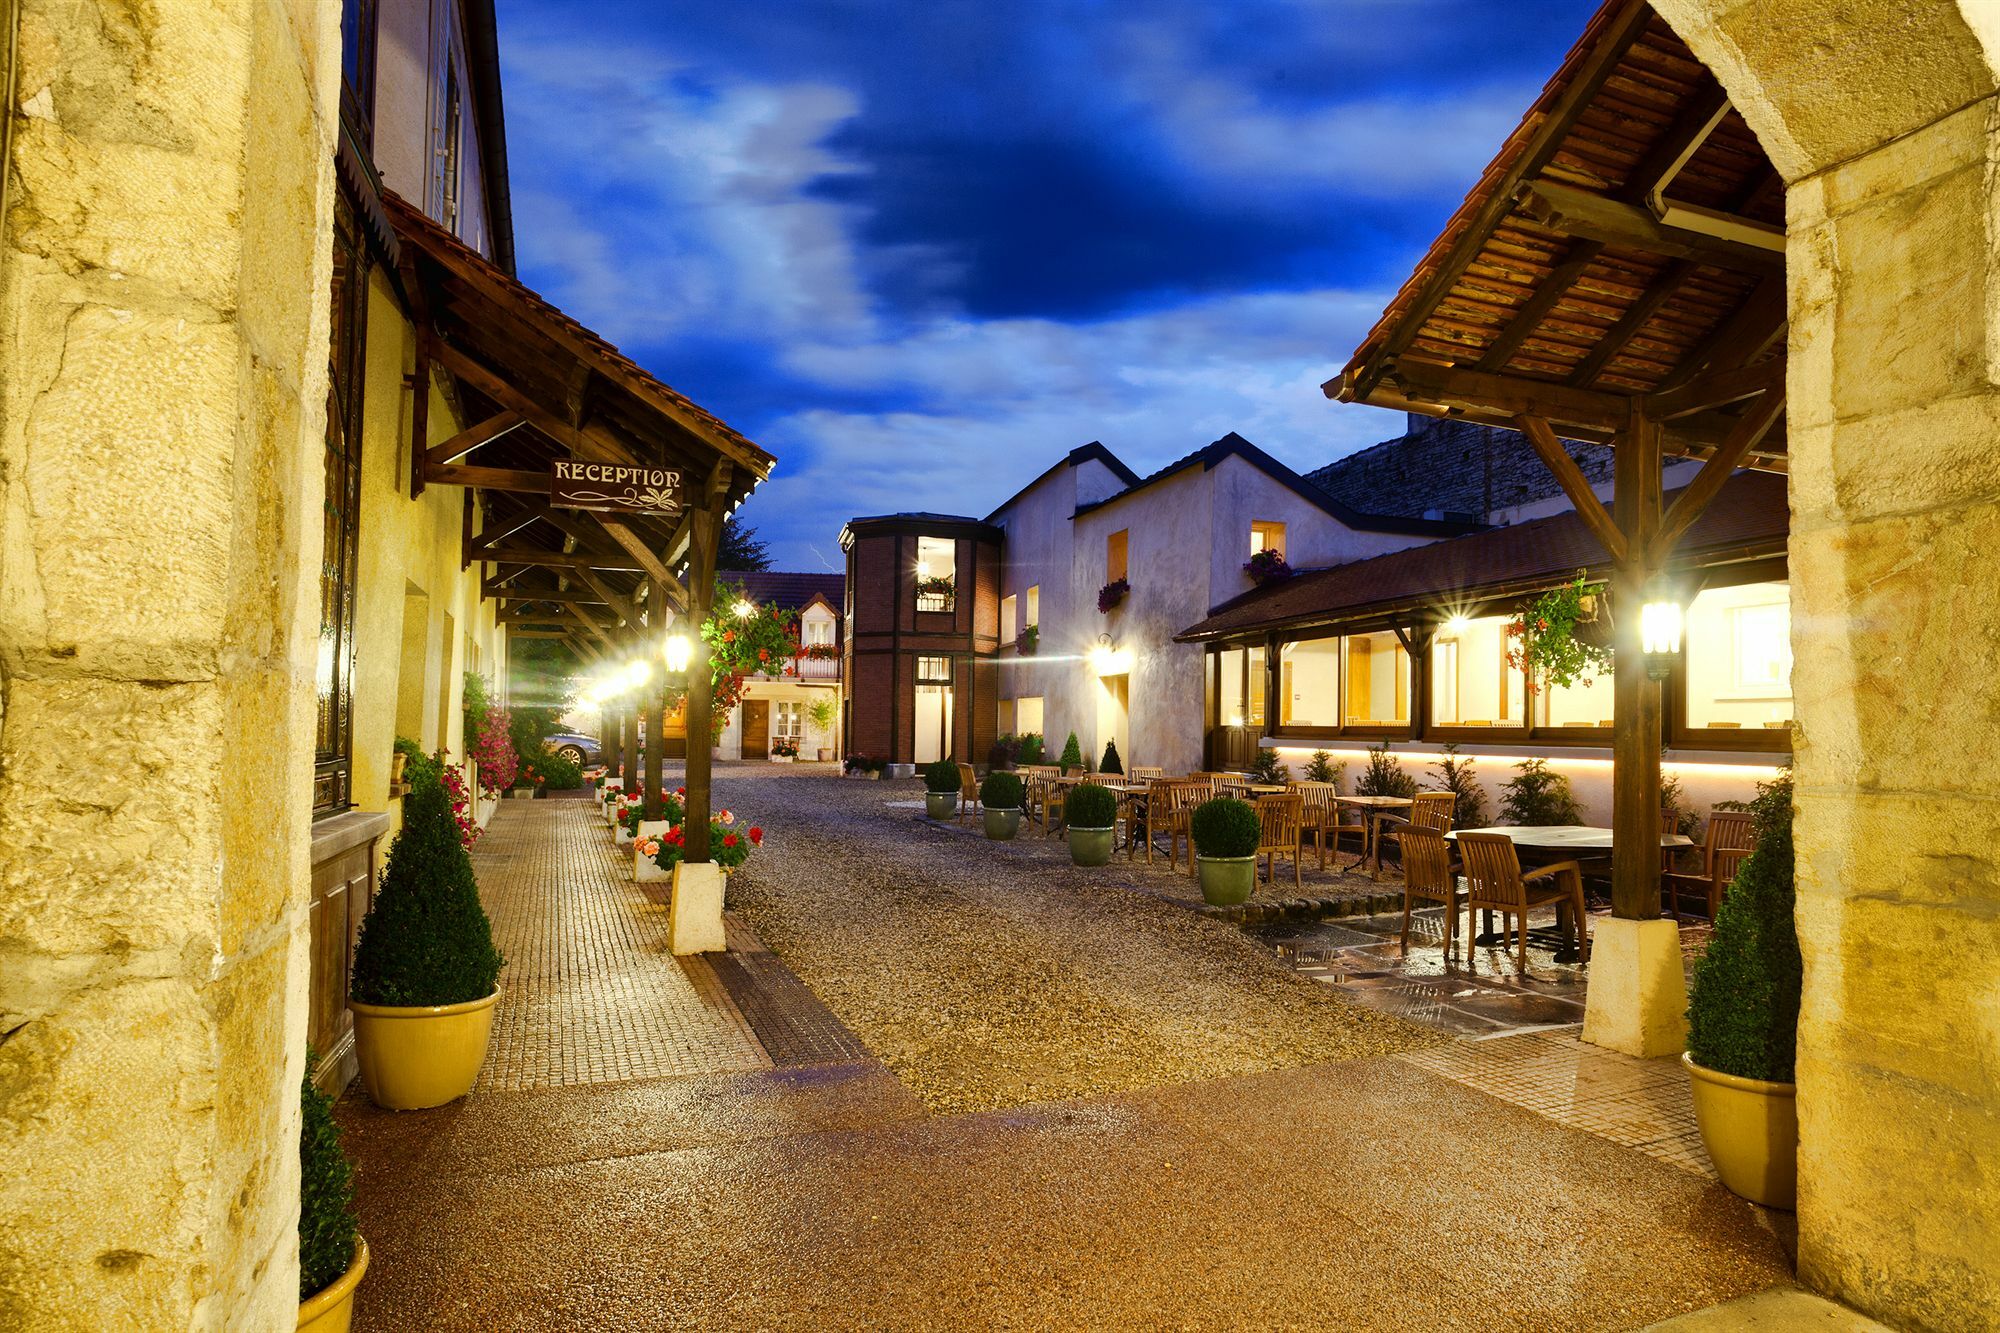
<point>482,43</point>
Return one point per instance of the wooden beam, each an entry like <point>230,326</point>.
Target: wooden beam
<point>585,442</point>
<point>1736,342</point>
<point>530,555</point>
<point>1577,212</point>
<point>506,528</point>
<point>1618,335</point>
<point>1692,124</point>
<point>612,597</point>
<point>1575,485</point>
<point>529,632</point>
<point>489,478</point>
<point>1716,388</point>
<point>463,443</point>
<point>420,408</point>
<point>1547,293</point>
<point>1512,394</point>
<point>650,562</point>
<point>1708,482</point>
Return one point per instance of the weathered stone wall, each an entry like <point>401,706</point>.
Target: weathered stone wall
<point>163,286</point>
<point>1881,116</point>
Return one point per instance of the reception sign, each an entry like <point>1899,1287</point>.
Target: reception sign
<point>614,487</point>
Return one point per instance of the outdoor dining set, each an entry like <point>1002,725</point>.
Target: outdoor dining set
<point>1503,871</point>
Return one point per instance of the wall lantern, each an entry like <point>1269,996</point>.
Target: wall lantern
<point>1108,661</point>
<point>638,673</point>
<point>1457,625</point>
<point>745,608</point>
<point>1660,631</point>
<point>678,652</point>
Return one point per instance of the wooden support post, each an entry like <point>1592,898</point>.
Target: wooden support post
<point>1635,707</point>
<point>656,711</point>
<point>704,536</point>
<point>420,411</point>
<point>628,726</point>
<point>614,749</point>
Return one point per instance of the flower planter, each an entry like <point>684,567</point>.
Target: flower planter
<point>825,754</point>
<point>331,1308</point>
<point>940,804</point>
<point>622,835</point>
<point>417,1057</point>
<point>644,868</point>
<point>1227,881</point>
<point>1002,824</point>
<point>1090,846</point>
<point>782,758</point>
<point>1751,1130</point>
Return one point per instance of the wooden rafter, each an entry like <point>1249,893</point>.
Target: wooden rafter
<point>463,443</point>
<point>1575,485</point>
<point>1582,254</point>
<point>1708,482</point>
<point>1576,212</point>
<point>535,555</point>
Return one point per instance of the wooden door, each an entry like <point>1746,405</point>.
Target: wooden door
<point>756,728</point>
<point>340,893</point>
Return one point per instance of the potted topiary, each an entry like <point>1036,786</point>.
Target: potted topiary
<point>1072,756</point>
<point>332,1254</point>
<point>425,970</point>
<point>1091,812</point>
<point>1111,763</point>
<point>1001,795</point>
<point>1743,1018</point>
<point>1225,843</point>
<point>941,789</point>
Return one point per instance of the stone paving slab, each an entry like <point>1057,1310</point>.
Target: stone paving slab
<point>591,994</point>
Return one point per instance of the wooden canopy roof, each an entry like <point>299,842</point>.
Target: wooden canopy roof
<point>1624,249</point>
<point>534,385</point>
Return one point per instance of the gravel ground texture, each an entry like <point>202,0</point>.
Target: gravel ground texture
<point>989,975</point>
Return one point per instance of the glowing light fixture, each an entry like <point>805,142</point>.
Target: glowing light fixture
<point>678,651</point>
<point>745,608</point>
<point>1108,661</point>
<point>1660,632</point>
<point>637,673</point>
<point>1457,625</point>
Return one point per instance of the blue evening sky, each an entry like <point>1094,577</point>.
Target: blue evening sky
<point>919,250</point>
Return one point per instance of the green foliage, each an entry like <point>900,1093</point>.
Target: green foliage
<point>1030,640</point>
<point>1322,768</point>
<point>1090,806</point>
<point>1032,747</point>
<point>426,939</point>
<point>1000,791</point>
<point>326,1192</point>
<point>1268,769</point>
<point>417,766</point>
<point>1385,775</point>
<point>1111,762</point>
<point>1743,1015</point>
<point>1537,794</point>
<point>1072,754</point>
<point>477,699</point>
<point>821,713</point>
<point>555,772</point>
<point>941,778</point>
<point>1455,776</point>
<point>1683,818</point>
<point>1543,641</point>
<point>739,548</point>
<point>1224,826</point>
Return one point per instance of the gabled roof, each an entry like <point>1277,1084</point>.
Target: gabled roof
<point>1453,468</point>
<point>1094,452</point>
<point>783,588</point>
<point>1232,445</point>
<point>1748,518</point>
<point>919,522</point>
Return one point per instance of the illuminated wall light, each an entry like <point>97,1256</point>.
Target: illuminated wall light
<point>1457,625</point>
<point>745,609</point>
<point>678,652</point>
<point>1660,636</point>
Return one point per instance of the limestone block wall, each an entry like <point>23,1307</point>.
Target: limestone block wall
<point>163,286</point>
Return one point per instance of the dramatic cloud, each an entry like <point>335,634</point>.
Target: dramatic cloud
<point>918,251</point>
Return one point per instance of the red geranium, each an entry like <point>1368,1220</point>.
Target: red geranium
<point>756,836</point>
<point>729,840</point>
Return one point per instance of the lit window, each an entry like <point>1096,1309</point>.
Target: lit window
<point>933,671</point>
<point>1739,658</point>
<point>1008,609</point>
<point>1034,616</point>
<point>1006,722</point>
<point>1028,716</point>
<point>1114,556</point>
<point>937,573</point>
<point>788,718</point>
<point>817,631</point>
<point>1472,684</point>
<point>1378,680</point>
<point>1309,683</point>
<point>1240,701</point>
<point>1267,536</point>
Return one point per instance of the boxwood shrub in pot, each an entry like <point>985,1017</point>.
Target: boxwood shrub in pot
<point>941,789</point>
<point>425,970</point>
<point>1225,844</point>
<point>1743,1018</point>
<point>1091,812</point>
<point>1001,795</point>
<point>332,1255</point>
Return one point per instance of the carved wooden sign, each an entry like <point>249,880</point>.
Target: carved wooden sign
<point>614,487</point>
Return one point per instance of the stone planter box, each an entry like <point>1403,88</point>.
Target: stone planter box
<point>644,868</point>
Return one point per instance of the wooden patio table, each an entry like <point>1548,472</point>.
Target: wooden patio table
<point>1541,843</point>
<point>1372,809</point>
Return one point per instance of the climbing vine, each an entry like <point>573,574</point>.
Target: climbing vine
<point>1542,642</point>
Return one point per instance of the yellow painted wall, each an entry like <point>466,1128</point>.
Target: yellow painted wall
<point>409,545</point>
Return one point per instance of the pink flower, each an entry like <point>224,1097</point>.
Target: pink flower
<point>725,818</point>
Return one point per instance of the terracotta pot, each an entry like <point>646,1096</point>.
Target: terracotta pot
<point>331,1308</point>
<point>940,804</point>
<point>418,1057</point>
<point>1002,824</point>
<point>1227,881</point>
<point>1751,1130</point>
<point>1090,846</point>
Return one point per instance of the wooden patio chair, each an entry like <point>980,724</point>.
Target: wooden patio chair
<point>968,793</point>
<point>1055,800</point>
<point>1429,874</point>
<point>1731,836</point>
<point>1494,882</point>
<point>1323,815</point>
<point>1182,798</point>
<point>1147,772</point>
<point>1281,831</point>
<point>1433,810</point>
<point>1152,814</point>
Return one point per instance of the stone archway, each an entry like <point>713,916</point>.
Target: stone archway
<point>1880,114</point>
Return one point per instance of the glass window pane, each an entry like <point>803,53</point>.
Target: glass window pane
<point>1471,683</point>
<point>1309,683</point>
<point>1584,704</point>
<point>1008,608</point>
<point>1229,696</point>
<point>1378,680</point>
<point>1739,658</point>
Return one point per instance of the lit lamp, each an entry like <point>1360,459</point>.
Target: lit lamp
<point>1108,661</point>
<point>638,673</point>
<point>1660,632</point>
<point>1456,626</point>
<point>745,609</point>
<point>678,651</point>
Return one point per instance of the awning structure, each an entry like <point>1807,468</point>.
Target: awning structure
<point>1616,275</point>
<point>536,387</point>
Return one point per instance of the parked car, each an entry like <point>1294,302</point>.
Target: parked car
<point>577,748</point>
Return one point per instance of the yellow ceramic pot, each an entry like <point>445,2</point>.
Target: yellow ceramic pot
<point>1751,1130</point>
<point>331,1308</point>
<point>412,1058</point>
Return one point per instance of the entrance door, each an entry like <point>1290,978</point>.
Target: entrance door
<point>756,728</point>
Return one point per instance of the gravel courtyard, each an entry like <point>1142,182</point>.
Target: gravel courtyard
<point>996,974</point>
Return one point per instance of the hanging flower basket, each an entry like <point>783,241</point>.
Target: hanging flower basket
<point>1267,566</point>
<point>1562,638</point>
<point>1111,594</point>
<point>1031,639</point>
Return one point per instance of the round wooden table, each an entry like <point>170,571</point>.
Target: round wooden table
<point>1539,844</point>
